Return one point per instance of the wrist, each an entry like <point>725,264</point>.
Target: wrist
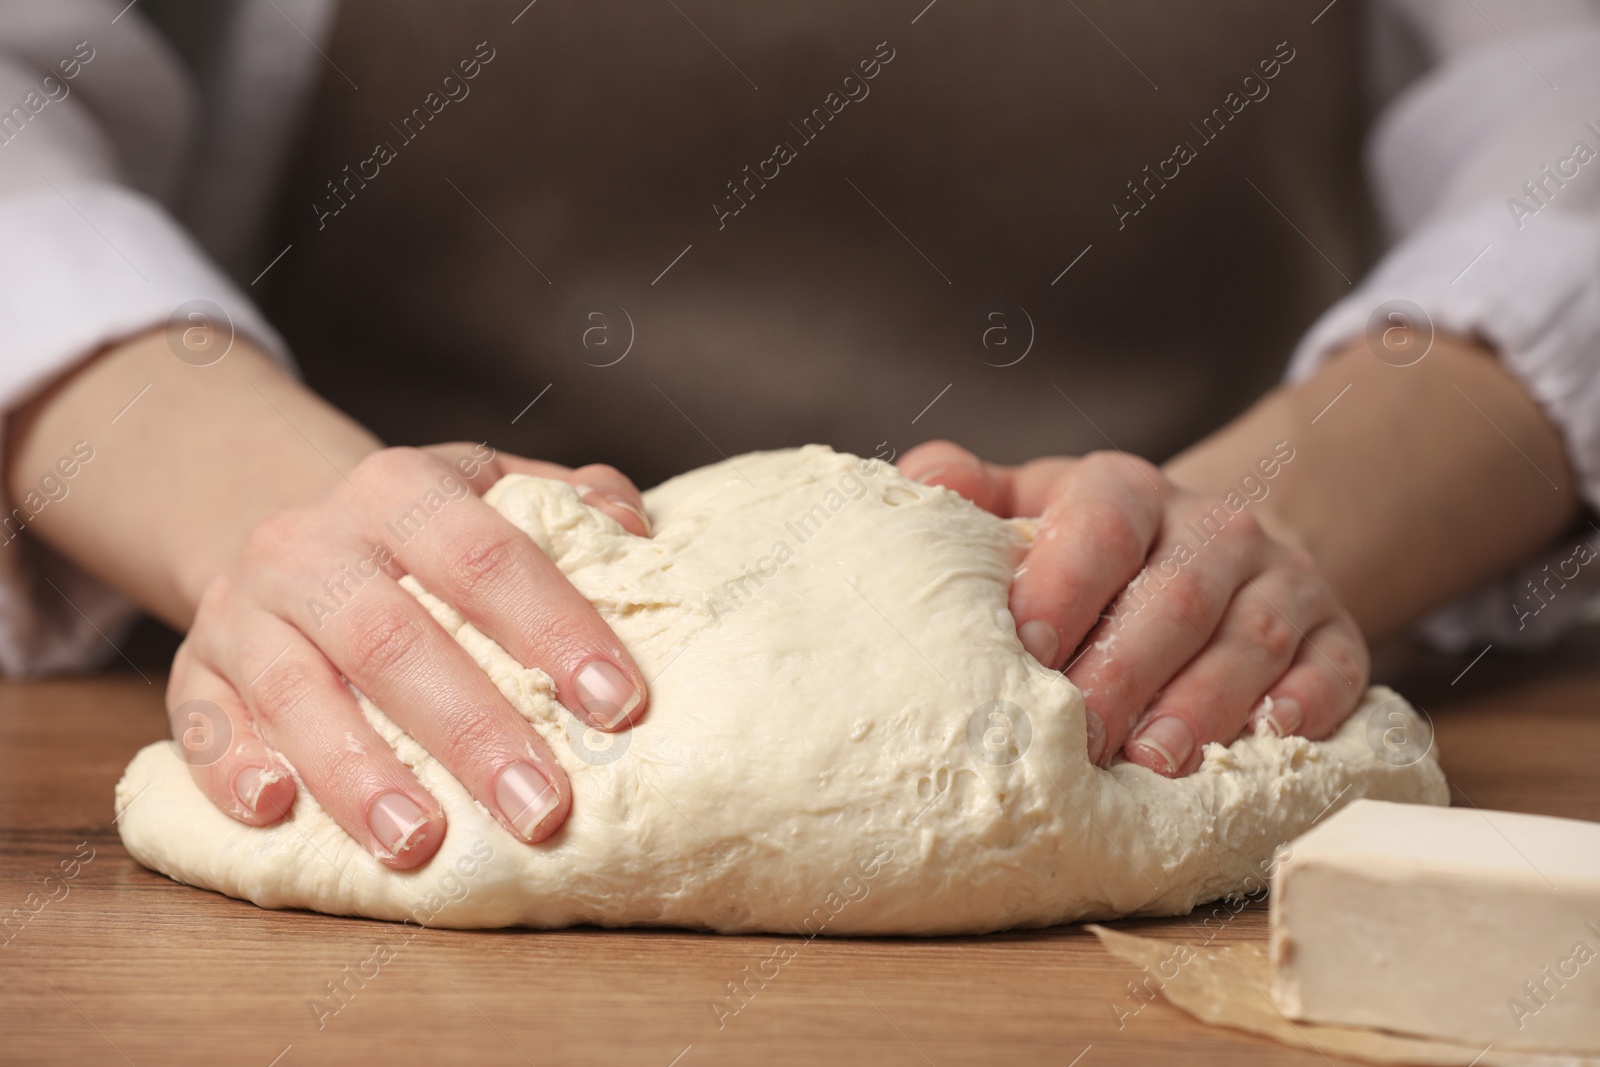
<point>290,448</point>
<point>1392,463</point>
<point>187,460</point>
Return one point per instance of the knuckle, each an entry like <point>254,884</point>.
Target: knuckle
<point>939,452</point>
<point>1100,457</point>
<point>1053,473</point>
<point>1300,560</point>
<point>1109,685</point>
<point>940,446</point>
<point>283,690</point>
<point>558,637</point>
<point>601,472</point>
<point>1125,467</point>
<point>380,638</point>
<point>1248,527</point>
<point>1315,600</point>
<point>560,649</point>
<point>1350,662</point>
<point>1109,528</point>
<point>482,563</point>
<point>213,601</point>
<point>1098,463</point>
<point>1115,693</point>
<point>388,465</point>
<point>343,772</point>
<point>1141,471</point>
<point>1240,528</point>
<point>1323,696</point>
<point>1189,604</point>
<point>275,537</point>
<point>470,735</point>
<point>1266,629</point>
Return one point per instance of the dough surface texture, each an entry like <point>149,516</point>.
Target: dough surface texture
<point>845,737</point>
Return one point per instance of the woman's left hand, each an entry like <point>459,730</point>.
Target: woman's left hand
<point>1224,630</point>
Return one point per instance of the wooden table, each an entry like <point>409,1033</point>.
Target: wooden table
<point>128,967</point>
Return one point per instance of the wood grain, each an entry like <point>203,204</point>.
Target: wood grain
<point>128,967</point>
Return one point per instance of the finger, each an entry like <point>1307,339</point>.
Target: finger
<point>609,490</point>
<point>1036,483</point>
<point>598,485</point>
<point>1211,698</point>
<point>1001,490</point>
<point>304,710</point>
<point>480,465</point>
<point>212,732</point>
<point>1092,539</point>
<point>393,651</point>
<point>1158,623</point>
<point>474,559</point>
<point>1323,685</point>
<point>948,464</point>
<point>601,487</point>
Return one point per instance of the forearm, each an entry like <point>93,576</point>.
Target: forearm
<point>1419,483</point>
<point>183,473</point>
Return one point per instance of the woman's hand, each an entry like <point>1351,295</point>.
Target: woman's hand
<point>314,600</point>
<point>278,547</point>
<point>1224,628</point>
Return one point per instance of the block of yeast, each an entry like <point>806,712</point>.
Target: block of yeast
<point>1453,923</point>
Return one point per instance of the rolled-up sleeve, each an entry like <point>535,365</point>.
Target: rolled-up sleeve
<point>97,119</point>
<point>1487,173</point>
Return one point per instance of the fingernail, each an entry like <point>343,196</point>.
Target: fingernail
<point>247,787</point>
<point>395,820</point>
<point>644,519</point>
<point>525,797</point>
<point>606,693</point>
<point>252,784</point>
<point>1279,716</point>
<point>590,495</point>
<point>1170,741</point>
<point>1041,641</point>
<point>1095,727</point>
<point>928,476</point>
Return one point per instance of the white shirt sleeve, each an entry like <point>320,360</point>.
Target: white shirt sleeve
<point>97,120</point>
<point>1487,173</point>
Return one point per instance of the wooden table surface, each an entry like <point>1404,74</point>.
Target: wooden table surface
<point>128,967</point>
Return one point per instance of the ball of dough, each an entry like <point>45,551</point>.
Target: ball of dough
<point>844,737</point>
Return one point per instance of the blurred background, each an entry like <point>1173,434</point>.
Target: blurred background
<point>653,236</point>
<point>981,161</point>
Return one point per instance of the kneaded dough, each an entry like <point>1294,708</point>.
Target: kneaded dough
<point>845,736</point>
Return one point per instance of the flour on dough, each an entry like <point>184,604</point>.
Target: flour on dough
<point>844,736</point>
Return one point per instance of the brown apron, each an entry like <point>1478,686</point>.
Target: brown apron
<point>697,228</point>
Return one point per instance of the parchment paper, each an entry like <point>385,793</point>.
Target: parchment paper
<point>1231,986</point>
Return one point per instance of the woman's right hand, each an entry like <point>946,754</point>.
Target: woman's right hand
<point>314,601</point>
